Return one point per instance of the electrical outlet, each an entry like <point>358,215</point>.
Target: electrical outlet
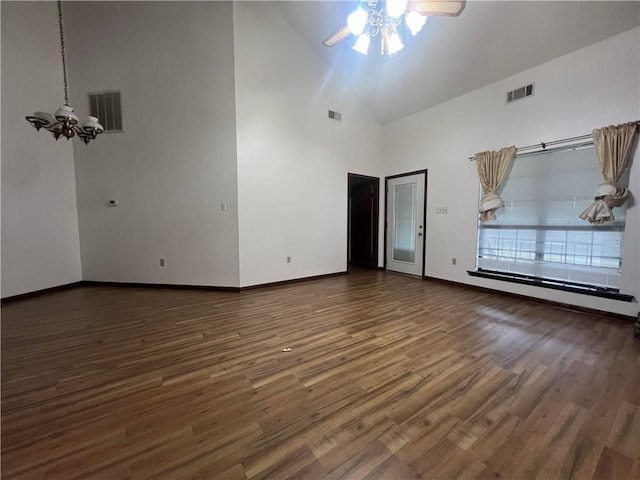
<point>223,207</point>
<point>162,262</point>
<point>288,259</point>
<point>454,261</point>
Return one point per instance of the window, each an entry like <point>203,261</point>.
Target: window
<point>539,233</point>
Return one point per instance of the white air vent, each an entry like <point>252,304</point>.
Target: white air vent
<point>520,93</point>
<point>335,115</point>
<point>106,106</point>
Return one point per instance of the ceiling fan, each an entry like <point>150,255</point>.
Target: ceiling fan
<point>382,17</point>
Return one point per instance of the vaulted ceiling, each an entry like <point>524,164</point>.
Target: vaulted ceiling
<point>490,41</point>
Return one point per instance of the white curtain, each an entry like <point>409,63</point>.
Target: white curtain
<point>492,168</point>
<point>614,146</point>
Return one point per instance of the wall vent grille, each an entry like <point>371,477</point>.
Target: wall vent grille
<point>335,115</point>
<point>520,93</point>
<point>106,106</point>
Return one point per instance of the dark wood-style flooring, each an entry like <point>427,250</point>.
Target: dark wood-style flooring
<point>388,377</point>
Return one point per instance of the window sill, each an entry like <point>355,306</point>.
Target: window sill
<point>553,284</point>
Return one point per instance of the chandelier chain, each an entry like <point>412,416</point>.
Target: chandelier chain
<point>64,60</point>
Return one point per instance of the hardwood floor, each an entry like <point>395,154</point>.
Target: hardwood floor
<point>388,377</point>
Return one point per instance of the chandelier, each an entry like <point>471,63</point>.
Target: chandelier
<point>384,19</point>
<point>64,122</point>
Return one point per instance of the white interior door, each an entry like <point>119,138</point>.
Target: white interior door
<point>405,227</point>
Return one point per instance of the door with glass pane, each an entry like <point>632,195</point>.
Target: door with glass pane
<point>405,223</point>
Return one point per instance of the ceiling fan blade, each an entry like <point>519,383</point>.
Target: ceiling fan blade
<point>336,37</point>
<point>446,8</point>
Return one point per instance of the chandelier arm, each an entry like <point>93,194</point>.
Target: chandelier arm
<point>376,20</point>
<point>62,54</point>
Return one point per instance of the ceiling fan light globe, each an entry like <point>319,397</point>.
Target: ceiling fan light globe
<point>42,120</point>
<point>65,114</point>
<point>356,21</point>
<point>396,8</point>
<point>91,123</point>
<point>362,44</point>
<point>45,118</point>
<point>394,43</point>
<point>415,21</point>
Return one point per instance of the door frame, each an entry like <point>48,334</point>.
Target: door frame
<point>376,214</point>
<point>424,219</point>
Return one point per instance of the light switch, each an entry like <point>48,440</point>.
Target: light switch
<point>223,207</point>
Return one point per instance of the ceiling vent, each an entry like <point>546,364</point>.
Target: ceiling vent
<point>520,93</point>
<point>335,115</point>
<point>106,106</point>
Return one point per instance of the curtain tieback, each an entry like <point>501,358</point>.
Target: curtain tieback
<point>612,194</point>
<point>490,201</point>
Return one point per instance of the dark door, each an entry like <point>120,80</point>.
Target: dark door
<point>363,218</point>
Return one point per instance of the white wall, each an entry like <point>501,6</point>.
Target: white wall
<point>176,161</point>
<point>40,247</point>
<point>592,87</point>
<point>292,160</point>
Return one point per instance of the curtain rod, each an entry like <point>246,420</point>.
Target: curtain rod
<point>544,145</point>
